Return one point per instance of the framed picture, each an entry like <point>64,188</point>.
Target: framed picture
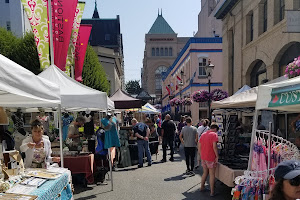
<point>219,119</point>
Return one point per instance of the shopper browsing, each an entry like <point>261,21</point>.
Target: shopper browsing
<point>142,132</point>
<point>207,147</point>
<point>189,138</point>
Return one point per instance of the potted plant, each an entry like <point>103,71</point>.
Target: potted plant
<point>218,94</point>
<point>200,96</point>
<point>175,102</point>
<point>293,69</point>
<point>187,101</point>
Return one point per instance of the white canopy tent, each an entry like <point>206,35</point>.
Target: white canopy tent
<point>240,100</point>
<point>21,88</point>
<point>73,94</point>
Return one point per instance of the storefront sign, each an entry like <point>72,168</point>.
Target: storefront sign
<point>289,95</point>
<point>293,21</point>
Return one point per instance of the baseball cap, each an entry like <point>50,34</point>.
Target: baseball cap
<point>287,170</point>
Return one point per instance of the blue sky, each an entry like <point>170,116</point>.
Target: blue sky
<point>137,17</point>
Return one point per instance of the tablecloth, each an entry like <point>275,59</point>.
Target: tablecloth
<point>82,164</point>
<point>59,188</point>
<point>227,175</point>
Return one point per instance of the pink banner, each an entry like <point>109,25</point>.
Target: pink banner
<point>63,13</point>
<point>81,45</point>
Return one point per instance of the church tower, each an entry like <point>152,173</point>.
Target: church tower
<point>161,49</point>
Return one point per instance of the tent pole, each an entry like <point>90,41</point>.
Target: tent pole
<point>60,136</point>
<point>255,117</point>
<point>50,32</point>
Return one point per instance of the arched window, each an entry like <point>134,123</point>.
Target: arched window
<point>288,57</point>
<point>158,77</point>
<point>170,51</point>
<point>153,52</point>
<point>166,52</point>
<point>157,52</point>
<point>258,74</point>
<point>161,51</point>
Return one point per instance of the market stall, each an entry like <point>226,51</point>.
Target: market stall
<point>21,88</point>
<point>284,97</point>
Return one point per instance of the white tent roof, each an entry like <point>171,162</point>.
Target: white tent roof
<point>243,89</point>
<point>283,95</point>
<point>244,99</point>
<point>21,88</point>
<point>74,94</point>
<point>151,107</point>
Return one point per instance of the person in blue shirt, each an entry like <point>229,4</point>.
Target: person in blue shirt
<point>142,132</point>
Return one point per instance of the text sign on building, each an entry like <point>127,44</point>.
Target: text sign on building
<point>293,21</point>
<point>285,96</point>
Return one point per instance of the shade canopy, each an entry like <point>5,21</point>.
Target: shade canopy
<point>243,89</point>
<point>282,96</point>
<point>21,88</point>
<point>123,100</point>
<point>244,99</point>
<point>73,93</point>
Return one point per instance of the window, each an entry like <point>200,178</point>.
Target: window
<point>265,26</point>
<point>107,36</point>
<point>296,4</point>
<point>166,52</point>
<point>8,27</point>
<point>249,24</point>
<point>202,64</point>
<point>157,52</point>
<point>161,51</point>
<point>282,8</point>
<point>6,1</point>
<point>258,74</point>
<point>170,51</point>
<point>153,52</point>
<point>158,77</point>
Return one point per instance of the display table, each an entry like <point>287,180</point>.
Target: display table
<point>227,175</point>
<point>59,188</point>
<point>81,164</point>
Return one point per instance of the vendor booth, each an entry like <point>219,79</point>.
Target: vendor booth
<point>21,88</point>
<point>282,97</point>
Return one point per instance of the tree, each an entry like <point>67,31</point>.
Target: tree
<point>93,73</point>
<point>133,87</point>
<point>20,50</point>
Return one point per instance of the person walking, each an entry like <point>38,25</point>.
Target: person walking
<point>188,138</point>
<point>142,132</point>
<point>168,129</point>
<point>207,147</point>
<point>201,129</point>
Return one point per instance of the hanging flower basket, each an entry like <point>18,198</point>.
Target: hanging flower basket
<point>200,96</point>
<point>187,101</point>
<point>175,102</point>
<point>293,69</point>
<point>218,94</point>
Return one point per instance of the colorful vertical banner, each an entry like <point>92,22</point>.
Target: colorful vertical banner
<point>63,13</point>
<point>74,34</point>
<point>36,11</point>
<point>81,45</point>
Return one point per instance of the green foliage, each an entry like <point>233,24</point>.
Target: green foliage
<point>93,73</point>
<point>20,50</point>
<point>133,87</point>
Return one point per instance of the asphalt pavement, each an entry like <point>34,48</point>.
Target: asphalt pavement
<point>159,181</point>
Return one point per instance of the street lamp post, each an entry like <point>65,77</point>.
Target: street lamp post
<point>209,70</point>
<point>181,85</point>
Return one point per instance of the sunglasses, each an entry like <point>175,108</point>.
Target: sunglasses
<point>295,181</point>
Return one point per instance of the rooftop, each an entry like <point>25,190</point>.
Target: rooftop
<point>161,26</point>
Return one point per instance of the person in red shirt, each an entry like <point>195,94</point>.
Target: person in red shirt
<point>207,147</point>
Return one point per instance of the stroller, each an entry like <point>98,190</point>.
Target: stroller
<point>101,158</point>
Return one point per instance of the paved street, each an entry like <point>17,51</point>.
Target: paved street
<point>160,181</point>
